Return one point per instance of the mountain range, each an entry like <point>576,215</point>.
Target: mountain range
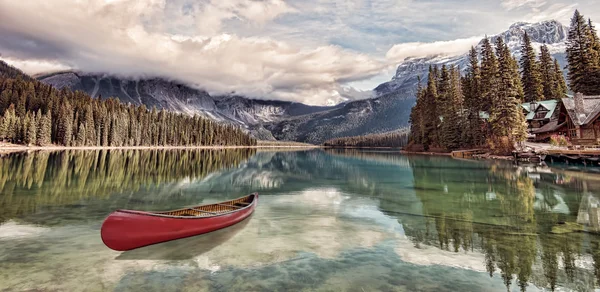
<point>280,120</point>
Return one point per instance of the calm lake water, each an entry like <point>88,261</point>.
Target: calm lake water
<point>326,221</point>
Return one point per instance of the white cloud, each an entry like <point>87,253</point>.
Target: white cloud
<point>33,67</point>
<point>513,4</point>
<point>111,37</point>
<point>400,52</point>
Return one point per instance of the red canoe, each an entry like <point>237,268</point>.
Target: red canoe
<point>127,229</point>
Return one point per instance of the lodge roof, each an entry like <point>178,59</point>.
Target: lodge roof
<point>549,127</point>
<point>591,108</point>
<point>549,105</point>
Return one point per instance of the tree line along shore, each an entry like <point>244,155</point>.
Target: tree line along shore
<point>37,114</point>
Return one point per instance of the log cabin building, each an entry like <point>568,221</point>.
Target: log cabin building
<point>542,118</point>
<point>580,115</point>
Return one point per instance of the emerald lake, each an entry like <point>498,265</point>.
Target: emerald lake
<point>327,220</point>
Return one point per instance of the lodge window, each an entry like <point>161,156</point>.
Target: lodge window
<point>573,133</point>
<point>540,114</point>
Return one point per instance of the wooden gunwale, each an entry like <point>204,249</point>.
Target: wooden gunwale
<point>158,214</point>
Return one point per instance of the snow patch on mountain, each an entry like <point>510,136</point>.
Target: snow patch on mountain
<point>552,33</point>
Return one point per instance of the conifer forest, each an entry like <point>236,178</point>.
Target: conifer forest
<point>34,113</point>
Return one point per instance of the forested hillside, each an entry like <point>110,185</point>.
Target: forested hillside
<point>395,139</point>
<point>34,113</point>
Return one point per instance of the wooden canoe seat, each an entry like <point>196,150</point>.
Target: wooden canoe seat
<point>212,213</point>
<point>232,206</point>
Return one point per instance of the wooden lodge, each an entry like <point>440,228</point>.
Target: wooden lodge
<point>581,115</point>
<point>543,119</point>
<point>574,117</point>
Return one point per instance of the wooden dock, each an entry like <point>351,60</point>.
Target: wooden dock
<point>586,157</point>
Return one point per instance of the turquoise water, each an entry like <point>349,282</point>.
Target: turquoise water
<point>326,221</point>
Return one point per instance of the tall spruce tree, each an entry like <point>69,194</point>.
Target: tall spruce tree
<point>531,79</point>
<point>44,130</point>
<point>472,133</point>
<point>559,87</point>
<point>416,121</point>
<point>429,113</point>
<point>547,73</point>
<point>582,68</point>
<point>506,118</point>
<point>595,44</point>
<point>489,75</point>
<point>31,123</point>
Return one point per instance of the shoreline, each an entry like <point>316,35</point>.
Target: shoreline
<point>426,153</point>
<point>14,148</point>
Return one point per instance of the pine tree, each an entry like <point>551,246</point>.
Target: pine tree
<point>531,79</point>
<point>506,118</point>
<point>416,123</point>
<point>595,44</point>
<point>559,87</point>
<point>44,128</point>
<point>430,114</point>
<point>473,134</point>
<point>65,125</point>
<point>489,75</point>
<point>547,73</point>
<point>9,123</point>
<point>582,69</point>
<point>31,136</point>
<point>454,108</point>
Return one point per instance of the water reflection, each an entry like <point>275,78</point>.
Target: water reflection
<point>514,220</point>
<point>32,180</point>
<point>327,221</point>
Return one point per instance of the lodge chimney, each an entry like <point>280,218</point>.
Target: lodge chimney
<point>578,99</point>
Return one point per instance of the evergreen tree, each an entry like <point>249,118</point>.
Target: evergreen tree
<point>583,62</point>
<point>430,114</point>
<point>595,44</point>
<point>506,118</point>
<point>489,75</point>
<point>452,122</point>
<point>473,134</point>
<point>416,123</point>
<point>31,136</point>
<point>547,73</point>
<point>9,123</point>
<point>531,79</point>
<point>44,128</point>
<point>559,87</point>
<point>65,125</point>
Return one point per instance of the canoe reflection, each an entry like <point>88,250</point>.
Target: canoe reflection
<point>185,248</point>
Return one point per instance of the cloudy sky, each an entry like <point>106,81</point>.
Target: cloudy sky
<point>312,51</point>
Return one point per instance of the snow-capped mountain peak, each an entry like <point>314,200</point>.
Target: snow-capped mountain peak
<point>552,33</point>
